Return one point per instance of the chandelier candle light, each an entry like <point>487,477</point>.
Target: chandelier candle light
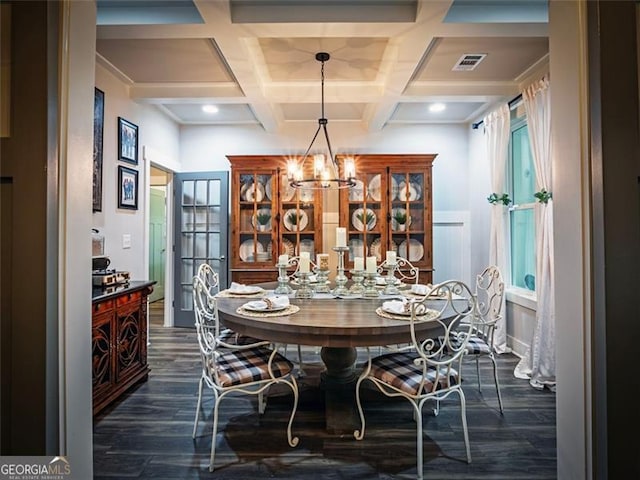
<point>326,171</point>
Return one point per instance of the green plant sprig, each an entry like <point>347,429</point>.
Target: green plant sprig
<point>543,196</point>
<point>494,198</point>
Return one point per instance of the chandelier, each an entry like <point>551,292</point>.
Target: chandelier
<point>324,172</point>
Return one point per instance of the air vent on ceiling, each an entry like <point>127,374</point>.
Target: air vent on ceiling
<point>468,62</point>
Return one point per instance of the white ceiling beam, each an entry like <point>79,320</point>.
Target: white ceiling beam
<point>216,92</point>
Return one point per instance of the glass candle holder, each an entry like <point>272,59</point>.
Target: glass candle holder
<point>321,285</point>
<point>358,277</point>
<point>304,290</point>
<point>283,287</point>
<point>341,278</point>
<point>391,282</point>
<point>370,290</point>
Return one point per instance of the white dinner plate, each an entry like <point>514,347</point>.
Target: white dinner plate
<point>262,211</point>
<point>394,188</point>
<point>246,250</point>
<point>373,190</point>
<point>306,195</point>
<point>255,192</point>
<point>356,193</point>
<point>415,192</point>
<point>303,220</point>
<point>247,290</point>
<point>416,250</point>
<point>356,248</point>
<point>288,247</point>
<point>243,191</point>
<point>357,219</point>
<point>258,306</point>
<point>394,224</point>
<point>376,249</point>
<point>267,189</point>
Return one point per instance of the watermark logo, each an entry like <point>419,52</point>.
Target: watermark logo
<point>35,468</point>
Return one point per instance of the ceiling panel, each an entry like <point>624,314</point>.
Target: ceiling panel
<point>333,111</point>
<point>147,12</point>
<point>166,60</point>
<point>227,113</point>
<point>506,58</point>
<point>293,59</point>
<point>498,11</point>
<point>419,112</point>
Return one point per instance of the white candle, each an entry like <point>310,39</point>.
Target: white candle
<point>283,259</point>
<point>358,263</point>
<point>371,265</point>
<point>391,258</point>
<point>304,262</point>
<point>341,237</point>
<point>323,261</point>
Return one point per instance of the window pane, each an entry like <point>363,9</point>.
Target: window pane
<point>523,174</point>
<point>523,262</point>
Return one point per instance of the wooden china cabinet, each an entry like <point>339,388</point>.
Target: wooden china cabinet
<point>268,217</point>
<point>390,208</point>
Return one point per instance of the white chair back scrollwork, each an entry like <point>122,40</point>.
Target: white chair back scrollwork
<point>431,369</point>
<point>490,293</point>
<point>210,277</point>
<point>405,271</point>
<point>226,368</point>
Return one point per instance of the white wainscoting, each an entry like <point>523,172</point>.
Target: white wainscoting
<point>451,246</point>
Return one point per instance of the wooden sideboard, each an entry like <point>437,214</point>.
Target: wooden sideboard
<point>119,340</point>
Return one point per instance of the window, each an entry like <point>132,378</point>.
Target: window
<point>521,216</point>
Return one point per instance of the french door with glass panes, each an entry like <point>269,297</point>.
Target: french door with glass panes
<point>201,235</point>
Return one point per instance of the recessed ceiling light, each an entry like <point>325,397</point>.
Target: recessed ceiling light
<point>437,107</point>
<point>210,109</point>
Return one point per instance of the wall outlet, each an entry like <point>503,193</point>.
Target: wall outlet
<point>126,240</point>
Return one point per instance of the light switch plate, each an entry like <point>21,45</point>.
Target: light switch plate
<point>126,240</point>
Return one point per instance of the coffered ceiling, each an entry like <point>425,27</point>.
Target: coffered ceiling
<point>255,59</point>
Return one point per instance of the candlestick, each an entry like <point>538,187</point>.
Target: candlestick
<point>357,276</point>
<point>390,280</point>
<point>283,279</point>
<point>341,278</point>
<point>371,265</point>
<point>341,237</point>
<point>358,263</point>
<point>303,291</point>
<point>370,285</point>
<point>321,285</point>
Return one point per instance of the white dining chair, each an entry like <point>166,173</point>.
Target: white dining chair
<point>431,369</point>
<point>229,368</point>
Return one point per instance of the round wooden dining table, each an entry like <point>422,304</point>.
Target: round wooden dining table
<point>338,325</point>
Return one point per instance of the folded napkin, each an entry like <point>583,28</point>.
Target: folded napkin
<point>270,303</point>
<point>242,288</point>
<point>419,289</point>
<point>402,307</point>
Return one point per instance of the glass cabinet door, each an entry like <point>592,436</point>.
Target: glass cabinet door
<point>297,219</point>
<point>366,222</point>
<point>407,215</point>
<point>256,220</point>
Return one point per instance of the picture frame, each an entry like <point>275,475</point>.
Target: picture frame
<point>98,129</point>
<point>127,141</point>
<point>127,188</point>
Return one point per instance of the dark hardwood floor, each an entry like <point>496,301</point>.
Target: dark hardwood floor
<point>147,434</point>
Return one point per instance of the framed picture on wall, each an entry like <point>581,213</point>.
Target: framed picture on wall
<point>127,188</point>
<point>98,125</point>
<point>127,141</point>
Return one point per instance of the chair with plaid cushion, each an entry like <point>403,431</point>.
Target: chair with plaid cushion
<point>431,370</point>
<point>490,293</point>
<point>211,281</point>
<point>232,368</point>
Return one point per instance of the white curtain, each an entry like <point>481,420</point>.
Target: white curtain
<point>539,363</point>
<point>497,131</point>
